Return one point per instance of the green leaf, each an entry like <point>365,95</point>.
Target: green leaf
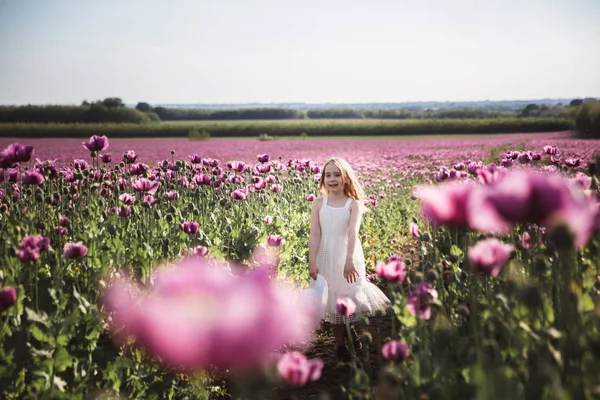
<point>35,317</point>
<point>40,336</point>
<point>62,359</point>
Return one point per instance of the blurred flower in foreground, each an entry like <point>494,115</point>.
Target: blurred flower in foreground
<point>8,298</point>
<point>393,271</point>
<point>395,351</point>
<point>419,301</point>
<point>345,306</point>
<point>199,314</point>
<point>297,370</point>
<point>489,256</point>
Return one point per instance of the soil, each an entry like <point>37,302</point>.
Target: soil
<point>335,375</point>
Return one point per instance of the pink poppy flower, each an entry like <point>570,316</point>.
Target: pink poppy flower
<point>218,318</point>
<point>414,230</point>
<point>268,220</point>
<point>195,159</point>
<point>239,194</point>
<point>201,251</point>
<point>8,298</point>
<point>526,240</point>
<point>393,272</point>
<point>489,256</point>
<point>395,351</point>
<point>274,240</point>
<point>129,157</point>
<point>145,185</point>
<point>73,250</point>
<point>310,197</point>
<point>190,227</point>
<point>345,306</point>
<point>419,301</point>
<point>96,143</point>
<point>297,370</point>
<point>32,178</point>
<point>445,204</point>
<point>124,211</point>
<point>263,158</point>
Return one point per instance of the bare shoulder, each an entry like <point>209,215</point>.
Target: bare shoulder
<point>355,205</point>
<point>317,202</point>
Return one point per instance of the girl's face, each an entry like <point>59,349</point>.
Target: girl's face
<point>333,179</point>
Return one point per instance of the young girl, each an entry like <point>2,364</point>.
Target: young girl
<point>335,250</point>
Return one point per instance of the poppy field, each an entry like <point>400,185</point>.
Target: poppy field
<point>170,268</point>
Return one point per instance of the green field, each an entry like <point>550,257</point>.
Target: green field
<point>290,128</point>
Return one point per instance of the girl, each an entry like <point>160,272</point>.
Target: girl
<point>335,250</point>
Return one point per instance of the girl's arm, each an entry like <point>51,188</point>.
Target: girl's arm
<point>315,238</point>
<point>353,224</point>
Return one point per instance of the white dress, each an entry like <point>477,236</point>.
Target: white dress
<point>331,258</point>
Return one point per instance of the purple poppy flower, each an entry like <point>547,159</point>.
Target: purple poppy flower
<point>572,162</point>
<point>489,256</point>
<point>129,157</point>
<point>297,370</point>
<point>61,230</point>
<point>170,195</point>
<point>64,221</point>
<point>124,211</point>
<point>201,251</point>
<point>19,153</point>
<point>419,301</point>
<point>238,166</point>
<point>127,198</point>
<point>28,255</point>
<point>345,306</point>
<point>395,351</point>
<point>32,178</point>
<point>526,240</point>
<point>190,227</point>
<point>74,250</point>
<point>38,242</point>
<point>310,197</point>
<point>149,199</point>
<point>239,194</point>
<point>106,158</point>
<point>392,272</point>
<point>414,230</point>
<point>263,158</point>
<point>96,143</point>
<point>202,179</point>
<point>216,314</point>
<point>8,298</point>
<point>274,240</point>
<point>275,188</point>
<point>195,159</point>
<point>445,204</point>
<point>530,197</point>
<point>584,181</point>
<point>145,185</point>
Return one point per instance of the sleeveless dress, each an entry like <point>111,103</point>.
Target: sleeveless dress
<point>331,258</point>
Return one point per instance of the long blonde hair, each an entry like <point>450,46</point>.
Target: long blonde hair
<point>352,187</point>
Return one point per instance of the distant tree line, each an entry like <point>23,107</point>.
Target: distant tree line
<point>113,110</point>
<point>110,110</point>
<point>587,119</point>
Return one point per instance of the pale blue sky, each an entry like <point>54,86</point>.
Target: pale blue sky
<point>226,51</point>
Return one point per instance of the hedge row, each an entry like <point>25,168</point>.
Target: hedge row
<point>292,128</point>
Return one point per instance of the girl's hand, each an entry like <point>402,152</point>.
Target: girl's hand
<point>350,271</point>
<point>313,270</point>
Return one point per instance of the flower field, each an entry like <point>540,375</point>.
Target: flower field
<point>169,268</point>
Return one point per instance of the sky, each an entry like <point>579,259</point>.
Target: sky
<point>321,51</point>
